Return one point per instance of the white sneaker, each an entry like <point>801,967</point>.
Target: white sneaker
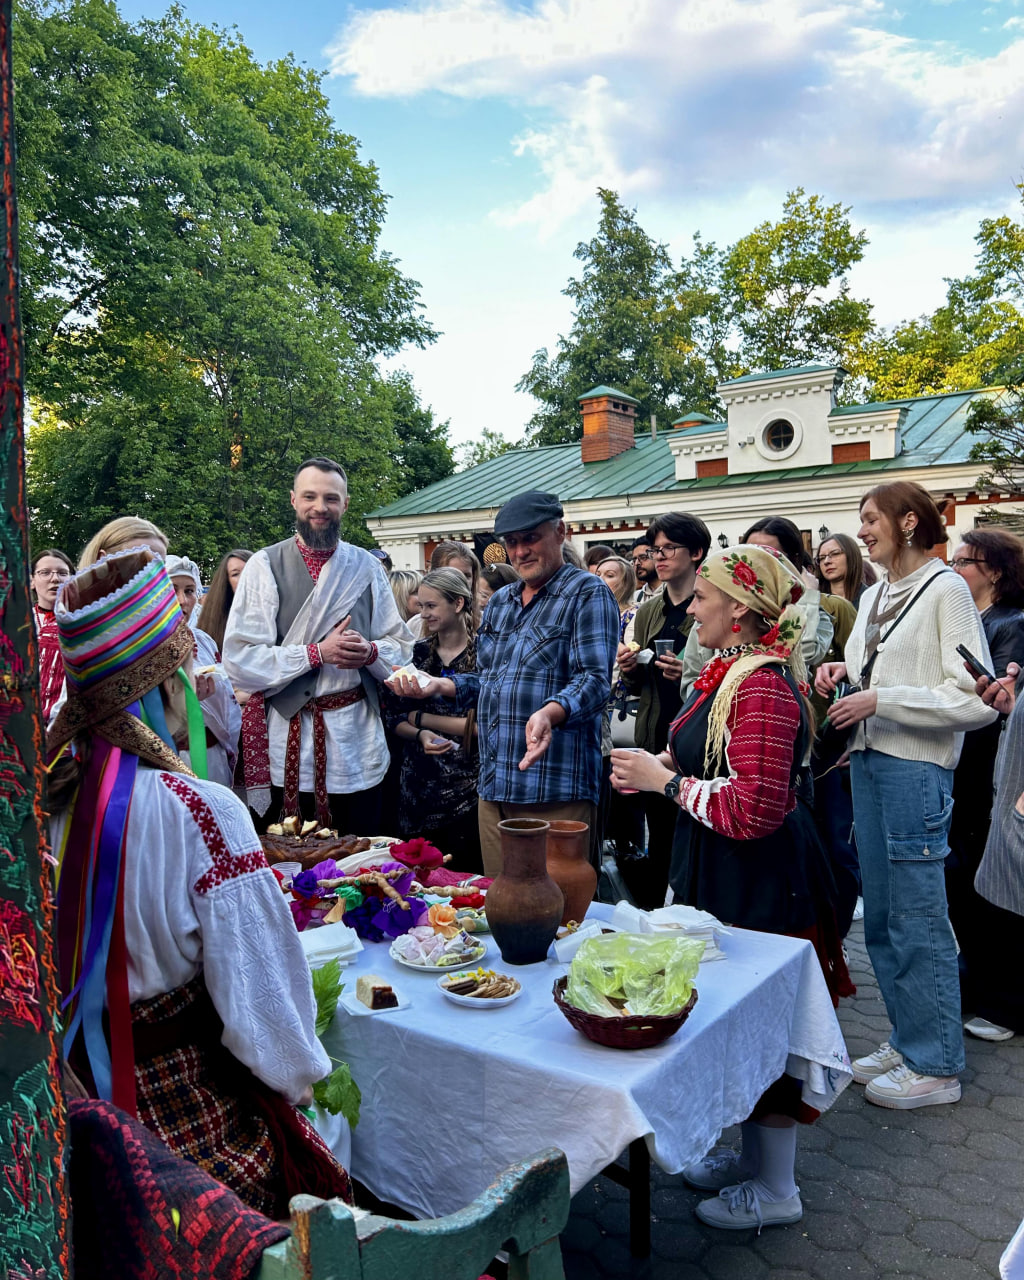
<point>884,1058</point>
<point>741,1207</point>
<point>858,910</point>
<point>982,1029</point>
<point>902,1089</point>
<point>714,1172</point>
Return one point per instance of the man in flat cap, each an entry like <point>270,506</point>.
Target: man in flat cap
<point>544,654</point>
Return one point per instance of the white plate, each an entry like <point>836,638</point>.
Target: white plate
<point>465,963</point>
<point>359,1010</point>
<point>471,1002</point>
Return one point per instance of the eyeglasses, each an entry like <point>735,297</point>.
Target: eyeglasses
<point>829,555</point>
<point>669,549</point>
<point>638,559</point>
<point>52,573</point>
<point>959,563</point>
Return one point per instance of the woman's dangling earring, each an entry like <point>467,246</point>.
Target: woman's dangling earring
<point>736,628</point>
<point>908,537</point>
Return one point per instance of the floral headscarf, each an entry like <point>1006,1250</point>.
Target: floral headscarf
<point>766,582</point>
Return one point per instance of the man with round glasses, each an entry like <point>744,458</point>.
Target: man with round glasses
<point>646,570</point>
<point>678,544</point>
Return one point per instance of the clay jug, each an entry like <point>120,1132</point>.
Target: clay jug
<point>524,905</point>
<point>569,867</point>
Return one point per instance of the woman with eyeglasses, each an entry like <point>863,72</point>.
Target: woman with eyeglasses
<point>840,567</point>
<point>991,562</point>
<point>50,570</point>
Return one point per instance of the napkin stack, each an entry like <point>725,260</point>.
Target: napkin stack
<point>328,942</point>
<point>675,919</point>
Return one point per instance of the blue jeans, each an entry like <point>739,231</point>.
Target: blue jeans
<point>901,811</point>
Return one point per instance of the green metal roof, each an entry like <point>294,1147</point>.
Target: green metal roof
<point>933,434</point>
<point>873,407</point>
<point>779,373</point>
<point>691,417</point>
<point>594,392</point>
<point>705,428</point>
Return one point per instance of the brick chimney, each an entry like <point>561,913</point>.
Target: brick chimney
<point>608,417</point>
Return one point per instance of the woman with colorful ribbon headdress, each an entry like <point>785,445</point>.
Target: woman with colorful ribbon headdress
<point>168,918</point>
<point>745,847</point>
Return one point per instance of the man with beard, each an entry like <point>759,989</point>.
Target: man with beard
<point>646,569</point>
<point>313,627</point>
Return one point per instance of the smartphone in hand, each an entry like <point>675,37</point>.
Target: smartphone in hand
<point>974,665</point>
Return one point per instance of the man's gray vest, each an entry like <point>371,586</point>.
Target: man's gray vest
<point>294,587</point>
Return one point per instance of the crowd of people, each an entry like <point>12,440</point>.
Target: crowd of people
<point>758,731</point>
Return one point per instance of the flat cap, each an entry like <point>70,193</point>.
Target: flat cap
<point>526,511</point>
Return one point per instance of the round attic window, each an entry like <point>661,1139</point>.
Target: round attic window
<point>779,435</point>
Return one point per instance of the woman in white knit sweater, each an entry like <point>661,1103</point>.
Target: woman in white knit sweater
<point>908,720</point>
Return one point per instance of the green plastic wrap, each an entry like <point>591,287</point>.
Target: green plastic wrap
<point>652,973</point>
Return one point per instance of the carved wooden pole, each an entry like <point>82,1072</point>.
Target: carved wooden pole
<point>34,1238</point>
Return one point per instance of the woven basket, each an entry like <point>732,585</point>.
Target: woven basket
<point>635,1032</point>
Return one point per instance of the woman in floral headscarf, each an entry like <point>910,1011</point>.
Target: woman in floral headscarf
<point>745,847</point>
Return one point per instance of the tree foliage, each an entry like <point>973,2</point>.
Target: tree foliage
<point>998,285</point>
<point>667,335</point>
<point>627,331</point>
<point>204,291</point>
<point>789,290</point>
<point>488,444</point>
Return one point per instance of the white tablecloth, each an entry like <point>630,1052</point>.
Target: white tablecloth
<point>451,1095</point>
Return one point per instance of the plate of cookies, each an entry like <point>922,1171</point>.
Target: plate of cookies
<point>480,988</point>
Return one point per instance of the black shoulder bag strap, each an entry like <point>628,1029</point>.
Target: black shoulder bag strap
<point>865,674</point>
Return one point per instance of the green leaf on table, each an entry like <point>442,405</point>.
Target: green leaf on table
<point>327,987</point>
<point>339,1093</point>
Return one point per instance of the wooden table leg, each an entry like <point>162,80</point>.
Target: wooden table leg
<point>637,1181</point>
<point>639,1199</point>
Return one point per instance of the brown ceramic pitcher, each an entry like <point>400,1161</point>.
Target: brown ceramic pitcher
<point>569,866</point>
<point>524,905</point>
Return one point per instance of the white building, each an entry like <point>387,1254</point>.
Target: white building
<point>786,449</point>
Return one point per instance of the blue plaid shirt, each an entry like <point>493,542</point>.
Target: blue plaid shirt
<point>559,648</point>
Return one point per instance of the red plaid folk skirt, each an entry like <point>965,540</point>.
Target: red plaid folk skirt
<point>210,1109</point>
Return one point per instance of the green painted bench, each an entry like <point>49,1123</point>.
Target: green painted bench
<point>522,1212</point>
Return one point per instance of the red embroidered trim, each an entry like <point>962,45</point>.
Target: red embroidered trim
<point>226,865</point>
<point>293,750</point>
<point>314,560</point>
<point>313,654</point>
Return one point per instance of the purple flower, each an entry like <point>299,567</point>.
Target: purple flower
<point>304,885</point>
<point>393,921</point>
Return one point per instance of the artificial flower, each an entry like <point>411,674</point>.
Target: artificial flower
<point>474,900</point>
<point>442,917</point>
<point>417,853</point>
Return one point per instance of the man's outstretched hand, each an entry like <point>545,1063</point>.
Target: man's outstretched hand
<point>539,728</point>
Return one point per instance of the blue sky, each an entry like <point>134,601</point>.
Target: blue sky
<point>492,122</point>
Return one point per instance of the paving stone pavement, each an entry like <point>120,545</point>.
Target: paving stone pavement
<point>932,1194</point>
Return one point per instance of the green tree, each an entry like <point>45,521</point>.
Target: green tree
<point>789,290</point>
<point>424,452</point>
<point>488,444</point>
<point>998,283</point>
<point>627,332</point>
<point>205,292</point>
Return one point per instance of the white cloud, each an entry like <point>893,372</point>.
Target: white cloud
<point>672,98</point>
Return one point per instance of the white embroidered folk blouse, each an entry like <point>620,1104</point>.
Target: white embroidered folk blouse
<point>200,896</point>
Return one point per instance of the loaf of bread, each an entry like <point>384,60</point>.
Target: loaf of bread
<point>375,993</point>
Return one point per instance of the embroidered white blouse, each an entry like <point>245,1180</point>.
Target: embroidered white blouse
<point>200,896</point>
